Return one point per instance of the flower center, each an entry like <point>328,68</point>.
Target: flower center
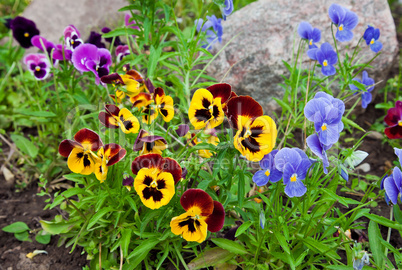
<point>372,41</point>
<point>153,184</point>
<point>247,134</point>
<point>400,123</point>
<point>72,42</point>
<point>293,178</point>
<point>26,34</point>
<point>311,42</point>
<point>340,27</point>
<point>37,68</point>
<point>324,127</point>
<point>325,63</point>
<point>267,172</point>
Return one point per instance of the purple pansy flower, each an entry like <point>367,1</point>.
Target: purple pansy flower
<point>87,57</point>
<point>366,95</point>
<point>38,64</point>
<point>23,30</point>
<point>182,130</point>
<point>392,185</point>
<point>326,56</point>
<point>268,172</point>
<point>307,32</point>
<point>319,150</point>
<point>129,22</point>
<point>62,53</point>
<point>227,9</point>
<point>371,36</point>
<point>96,39</point>
<point>121,51</point>
<point>212,35</point>
<point>345,20</point>
<point>382,188</point>
<point>326,113</point>
<point>294,164</point>
<point>72,37</point>
<point>44,45</point>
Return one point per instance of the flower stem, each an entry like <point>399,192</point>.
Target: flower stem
<point>336,48</point>
<point>391,216</point>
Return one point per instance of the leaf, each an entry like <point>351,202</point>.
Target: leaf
<point>384,221</point>
<point>25,145</point>
<point>243,228</point>
<point>97,216</point>
<point>349,122</point>
<point>229,245</point>
<point>241,191</point>
<point>284,105</point>
<point>153,60</point>
<point>321,248</point>
<point>16,227</point>
<point>43,238</point>
<point>397,213</point>
<point>282,241</point>
<point>22,236</point>
<point>121,32</point>
<point>375,237</point>
<point>67,194</point>
<point>36,113</point>
<point>53,227</point>
<point>209,258</point>
<point>125,240</point>
<point>140,252</point>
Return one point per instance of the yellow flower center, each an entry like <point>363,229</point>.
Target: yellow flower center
<point>267,172</point>
<point>324,127</point>
<point>340,27</point>
<point>325,63</point>
<point>72,42</point>
<point>372,41</point>
<point>37,68</point>
<point>26,35</point>
<point>247,134</point>
<point>311,42</point>
<point>293,178</point>
<point>400,123</point>
<point>153,184</point>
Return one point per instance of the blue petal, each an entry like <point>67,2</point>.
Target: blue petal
<point>350,21</point>
<point>275,176</point>
<point>397,176</point>
<point>315,146</point>
<point>288,171</point>
<point>312,53</point>
<point>301,153</point>
<point>302,169</point>
<point>344,175</point>
<point>336,13</point>
<point>368,34</point>
<point>331,57</point>
<point>314,106</point>
<point>330,135</point>
<point>328,70</point>
<point>344,35</point>
<point>333,116</point>
<point>286,155</point>
<point>376,46</point>
<point>376,34</point>
<point>398,153</point>
<point>316,35</point>
<point>260,179</point>
<point>326,47</point>
<point>304,30</point>
<point>295,189</point>
<point>366,99</point>
<point>391,190</point>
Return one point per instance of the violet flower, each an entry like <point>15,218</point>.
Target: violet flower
<point>95,39</point>
<point>326,56</point>
<point>62,53</point>
<point>371,36</point>
<point>212,35</point>
<point>307,32</point>
<point>268,172</point>
<point>87,57</point>
<point>227,9</point>
<point>392,185</point>
<point>121,51</point>
<point>345,20</point>
<point>72,37</point>
<point>319,150</point>
<point>394,120</point>
<point>129,22</point>
<point>182,130</point>
<point>366,95</point>
<point>44,45</point>
<point>38,64</point>
<point>23,30</point>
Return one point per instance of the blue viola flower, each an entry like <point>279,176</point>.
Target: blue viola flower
<point>371,36</point>
<point>312,35</point>
<point>212,35</point>
<point>326,56</point>
<point>366,95</point>
<point>326,113</point>
<point>345,20</point>
<point>382,188</point>
<point>319,150</point>
<point>392,185</point>
<point>268,172</point>
<point>227,9</point>
<point>294,164</point>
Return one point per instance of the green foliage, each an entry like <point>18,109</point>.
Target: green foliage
<point>21,232</point>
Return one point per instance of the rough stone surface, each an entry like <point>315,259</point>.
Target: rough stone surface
<point>267,31</point>
<point>52,16</point>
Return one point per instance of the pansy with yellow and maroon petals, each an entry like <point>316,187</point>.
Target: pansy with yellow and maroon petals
<point>147,143</point>
<point>208,136</point>
<point>206,106</point>
<point>129,81</point>
<point>155,180</point>
<point>81,152</point>
<point>202,214</point>
<point>164,104</point>
<point>108,154</point>
<point>256,133</point>
<point>115,118</point>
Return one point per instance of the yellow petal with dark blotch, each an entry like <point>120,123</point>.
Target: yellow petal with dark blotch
<point>165,107</point>
<point>217,114</point>
<point>200,111</point>
<point>189,227</point>
<point>149,113</point>
<point>128,122</point>
<point>101,171</point>
<point>155,188</point>
<point>132,86</point>
<point>80,162</point>
<point>267,139</point>
<point>155,147</point>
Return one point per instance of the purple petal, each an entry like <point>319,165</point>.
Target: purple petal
<point>295,189</point>
<point>398,153</point>
<point>316,35</point>
<point>336,13</point>
<point>366,99</point>
<point>288,171</point>
<point>304,30</point>
<point>312,53</point>
<point>328,70</point>
<point>260,178</point>
<point>275,176</point>
<point>350,21</point>
<point>391,189</point>
<point>182,130</point>
<point>344,35</point>
<point>286,155</point>
<point>376,46</point>
<point>82,54</point>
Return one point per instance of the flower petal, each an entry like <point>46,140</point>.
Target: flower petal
<point>197,198</point>
<point>216,220</point>
<point>189,228</point>
<point>128,122</point>
<point>242,108</point>
<point>88,139</point>
<point>67,146</point>
<point>221,90</point>
<point>147,161</point>
<point>295,189</point>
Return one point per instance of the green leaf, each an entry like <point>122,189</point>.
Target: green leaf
<point>243,227</point>
<point>320,247</point>
<point>339,267</point>
<point>209,258</point>
<point>132,203</point>
<point>53,227</point>
<point>125,240</point>
<point>397,213</point>
<point>284,105</point>
<point>97,216</point>
<point>349,122</point>
<point>282,241</point>
<point>67,194</point>
<point>36,113</point>
<point>121,32</point>
<point>342,200</point>
<point>384,221</point>
<point>25,145</point>
<point>22,236</point>
<point>241,192</point>
<point>375,237</point>
<point>359,85</point>
<point>43,238</point>
<point>153,60</point>
<point>140,252</point>
<point>16,227</point>
<point>229,245</point>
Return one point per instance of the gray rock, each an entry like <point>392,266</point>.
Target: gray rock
<point>365,167</point>
<point>51,17</point>
<point>267,32</point>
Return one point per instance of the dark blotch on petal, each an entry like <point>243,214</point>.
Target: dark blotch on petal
<point>190,223</point>
<point>156,195</point>
<point>147,180</point>
<point>202,115</point>
<point>206,103</point>
<point>251,144</point>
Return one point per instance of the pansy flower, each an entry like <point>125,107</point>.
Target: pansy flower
<point>147,143</point>
<point>269,172</point>
<point>72,37</point>
<point>202,214</point>
<point>307,32</point>
<point>95,39</point>
<point>87,57</point>
<point>208,136</point>
<point>294,164</point>
<point>38,64</point>
<point>256,133</point>
<point>345,20</point>
<point>128,181</point>
<point>129,22</point>
<point>206,107</point>
<point>319,149</point>
<point>371,36</point>
<point>121,51</point>
<point>132,82</point>
<point>81,152</point>
<point>326,56</point>
<point>394,120</point>
<point>366,95</point>
<point>23,31</point>
<point>392,185</point>
<point>213,29</point>
<point>62,53</point>
<point>115,118</point>
<point>42,44</point>
<point>227,8</point>
<point>109,155</point>
<point>155,180</point>
<point>182,130</point>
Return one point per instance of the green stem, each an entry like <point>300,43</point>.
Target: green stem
<point>361,69</point>
<point>179,255</point>
<point>391,216</point>
<point>336,48</point>
<point>354,52</point>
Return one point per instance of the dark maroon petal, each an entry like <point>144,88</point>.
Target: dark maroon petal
<point>147,161</point>
<point>159,92</point>
<point>113,78</point>
<point>394,132</point>
<point>394,115</point>
<point>117,157</point>
<point>182,130</point>
<point>105,119</point>
<point>67,146</point>
<point>244,106</point>
<point>216,220</point>
<point>183,173</point>
<point>112,109</point>
<point>171,166</point>
<point>138,144</point>
<point>149,85</point>
<point>231,233</point>
<point>128,180</point>
<point>222,90</point>
<point>135,75</point>
<point>198,198</point>
<point>152,138</point>
<point>88,136</point>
